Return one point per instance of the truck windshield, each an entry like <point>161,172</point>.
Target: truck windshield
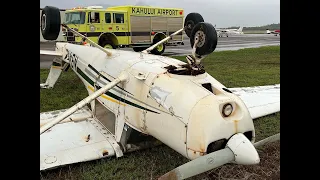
<point>75,18</point>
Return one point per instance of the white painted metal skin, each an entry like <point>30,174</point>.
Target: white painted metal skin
<point>260,100</point>
<point>82,103</point>
<point>175,109</point>
<point>75,141</point>
<point>199,105</point>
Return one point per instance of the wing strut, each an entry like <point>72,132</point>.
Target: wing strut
<point>84,102</point>
<point>54,74</point>
<point>58,64</point>
<point>162,41</point>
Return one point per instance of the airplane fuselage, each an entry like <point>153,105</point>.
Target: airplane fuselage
<point>228,32</point>
<point>276,32</point>
<point>184,112</point>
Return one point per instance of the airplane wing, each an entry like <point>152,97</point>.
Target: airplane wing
<point>78,138</point>
<point>260,100</point>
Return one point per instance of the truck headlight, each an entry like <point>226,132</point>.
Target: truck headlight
<point>227,110</point>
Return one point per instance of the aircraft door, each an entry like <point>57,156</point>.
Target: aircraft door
<point>109,108</point>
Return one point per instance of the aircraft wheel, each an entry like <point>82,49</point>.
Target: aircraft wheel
<point>190,21</point>
<point>207,38</point>
<point>50,23</point>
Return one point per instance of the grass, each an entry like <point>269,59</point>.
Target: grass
<point>245,67</point>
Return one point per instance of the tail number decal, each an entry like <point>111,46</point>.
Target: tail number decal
<point>73,59</point>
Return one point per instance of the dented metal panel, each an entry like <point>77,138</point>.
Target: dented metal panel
<point>175,98</point>
<point>181,95</point>
<point>260,100</point>
<point>159,95</point>
<point>206,123</point>
<point>167,128</point>
<point>135,113</point>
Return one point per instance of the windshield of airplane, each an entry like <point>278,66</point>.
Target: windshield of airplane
<point>75,18</point>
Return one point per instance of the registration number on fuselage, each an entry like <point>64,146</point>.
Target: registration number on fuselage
<point>73,60</point>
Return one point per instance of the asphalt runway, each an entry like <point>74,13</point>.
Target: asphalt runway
<point>234,42</point>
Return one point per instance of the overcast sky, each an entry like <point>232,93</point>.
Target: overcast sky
<point>223,13</point>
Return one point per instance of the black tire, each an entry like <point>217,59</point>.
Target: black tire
<point>108,42</point>
<point>190,21</point>
<point>210,35</point>
<point>138,49</point>
<point>50,23</point>
<point>155,50</point>
<point>106,39</point>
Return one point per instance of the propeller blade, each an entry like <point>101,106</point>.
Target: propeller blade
<point>267,140</point>
<point>200,165</point>
<point>238,150</point>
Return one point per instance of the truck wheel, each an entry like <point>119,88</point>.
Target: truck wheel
<point>190,21</point>
<point>108,44</point>
<point>50,23</point>
<point>208,38</point>
<point>159,49</point>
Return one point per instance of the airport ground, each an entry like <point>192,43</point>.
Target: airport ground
<point>233,42</point>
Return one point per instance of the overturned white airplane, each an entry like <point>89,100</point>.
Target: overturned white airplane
<point>137,99</point>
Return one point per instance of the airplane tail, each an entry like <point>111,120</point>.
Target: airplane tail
<point>240,29</point>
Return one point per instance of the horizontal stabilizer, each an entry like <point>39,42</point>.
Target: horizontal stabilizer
<point>260,100</point>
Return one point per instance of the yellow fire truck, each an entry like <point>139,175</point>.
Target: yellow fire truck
<point>138,27</point>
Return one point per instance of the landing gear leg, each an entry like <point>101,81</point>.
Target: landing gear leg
<point>54,74</point>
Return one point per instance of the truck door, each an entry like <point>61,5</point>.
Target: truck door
<point>120,27</point>
<point>94,26</point>
<point>107,27</point>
